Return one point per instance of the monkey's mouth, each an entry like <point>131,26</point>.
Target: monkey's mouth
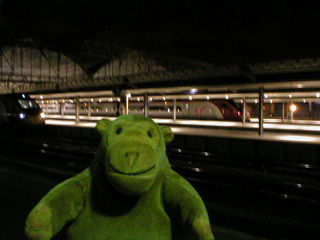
<point>130,173</point>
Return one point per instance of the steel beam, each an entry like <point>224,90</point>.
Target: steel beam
<point>261,99</point>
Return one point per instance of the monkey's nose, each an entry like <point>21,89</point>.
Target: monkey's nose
<point>131,157</point>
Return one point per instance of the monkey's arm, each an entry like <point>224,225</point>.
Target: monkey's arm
<point>61,205</point>
<point>186,207</point>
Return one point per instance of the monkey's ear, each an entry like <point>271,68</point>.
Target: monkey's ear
<point>167,134</point>
<point>102,125</point>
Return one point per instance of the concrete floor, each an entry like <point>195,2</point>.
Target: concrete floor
<point>287,132</point>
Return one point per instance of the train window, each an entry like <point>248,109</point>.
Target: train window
<point>25,104</point>
<point>154,108</point>
<point>164,108</point>
<point>135,108</point>
<point>234,104</point>
<point>178,109</point>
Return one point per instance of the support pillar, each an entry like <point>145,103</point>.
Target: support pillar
<point>146,104</point>
<point>128,95</point>
<point>174,110</point>
<point>244,111</point>
<point>77,110</point>
<point>62,108</point>
<point>89,109</point>
<point>311,111</point>
<point>283,109</point>
<point>261,99</point>
<point>118,108</point>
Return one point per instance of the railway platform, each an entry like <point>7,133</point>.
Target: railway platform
<point>275,132</point>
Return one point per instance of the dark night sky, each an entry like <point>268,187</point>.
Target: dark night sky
<point>226,31</point>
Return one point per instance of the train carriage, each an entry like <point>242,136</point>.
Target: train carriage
<point>20,109</point>
<point>219,109</point>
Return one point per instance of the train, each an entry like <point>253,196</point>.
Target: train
<point>20,109</point>
<point>217,109</point>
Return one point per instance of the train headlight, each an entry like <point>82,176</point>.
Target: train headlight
<point>42,115</point>
<point>22,115</point>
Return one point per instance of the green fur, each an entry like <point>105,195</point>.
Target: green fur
<point>129,192</point>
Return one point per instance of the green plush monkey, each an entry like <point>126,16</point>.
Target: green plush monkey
<point>129,192</point>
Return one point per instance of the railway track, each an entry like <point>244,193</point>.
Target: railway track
<point>263,189</point>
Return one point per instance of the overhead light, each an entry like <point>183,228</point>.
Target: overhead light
<point>150,98</point>
<point>227,97</point>
<point>193,90</point>
<point>290,96</point>
<point>41,97</point>
<point>293,107</point>
<point>208,97</point>
<point>164,98</point>
<point>318,95</point>
<point>255,101</point>
<point>270,100</point>
<point>190,97</point>
<point>265,96</point>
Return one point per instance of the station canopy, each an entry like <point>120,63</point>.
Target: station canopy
<point>39,64</point>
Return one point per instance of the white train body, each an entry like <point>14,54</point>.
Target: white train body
<point>194,109</point>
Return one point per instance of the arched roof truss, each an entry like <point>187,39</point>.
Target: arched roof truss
<point>31,65</point>
<point>40,64</point>
<point>25,68</point>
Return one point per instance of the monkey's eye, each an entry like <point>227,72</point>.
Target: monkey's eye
<point>149,134</point>
<point>119,130</point>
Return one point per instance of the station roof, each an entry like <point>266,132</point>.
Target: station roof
<point>224,32</point>
<point>196,44</point>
